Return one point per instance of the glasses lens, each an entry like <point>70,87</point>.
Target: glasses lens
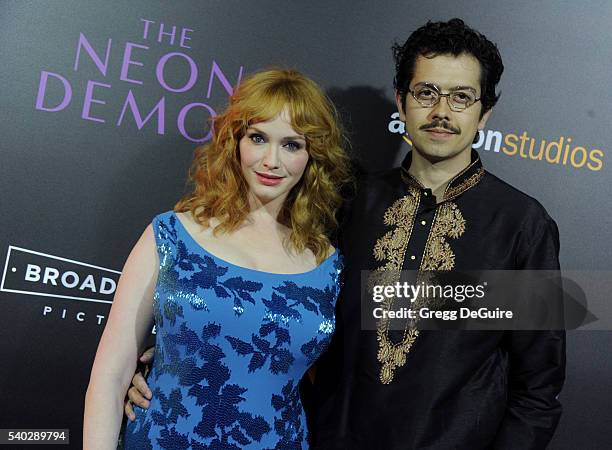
<point>425,95</point>
<point>462,99</point>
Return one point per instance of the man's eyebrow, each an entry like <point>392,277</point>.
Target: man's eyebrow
<point>458,88</point>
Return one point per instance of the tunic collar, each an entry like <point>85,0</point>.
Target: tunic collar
<point>464,180</point>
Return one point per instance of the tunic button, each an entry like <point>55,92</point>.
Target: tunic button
<point>423,222</point>
<point>425,193</point>
<point>413,257</point>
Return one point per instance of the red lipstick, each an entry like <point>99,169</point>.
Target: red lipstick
<point>268,179</point>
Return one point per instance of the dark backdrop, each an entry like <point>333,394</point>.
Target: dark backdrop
<point>83,174</point>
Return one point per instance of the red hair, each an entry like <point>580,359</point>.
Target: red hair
<point>219,188</point>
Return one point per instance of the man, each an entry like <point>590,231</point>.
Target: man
<point>440,210</point>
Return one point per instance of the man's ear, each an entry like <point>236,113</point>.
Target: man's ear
<point>400,107</point>
<point>484,119</point>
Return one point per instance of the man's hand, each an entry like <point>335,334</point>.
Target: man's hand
<point>139,393</point>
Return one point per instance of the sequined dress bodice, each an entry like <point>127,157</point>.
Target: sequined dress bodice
<point>232,344</point>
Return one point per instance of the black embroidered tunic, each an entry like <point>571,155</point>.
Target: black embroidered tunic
<point>439,389</point>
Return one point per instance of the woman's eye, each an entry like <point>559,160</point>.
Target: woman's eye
<point>293,146</point>
<point>257,138</point>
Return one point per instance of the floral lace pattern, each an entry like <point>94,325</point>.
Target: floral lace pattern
<point>232,345</point>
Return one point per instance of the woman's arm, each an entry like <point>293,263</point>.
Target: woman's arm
<point>128,325</point>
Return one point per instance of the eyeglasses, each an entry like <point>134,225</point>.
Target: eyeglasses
<point>428,95</point>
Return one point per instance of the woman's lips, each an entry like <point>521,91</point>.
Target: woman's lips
<point>267,179</point>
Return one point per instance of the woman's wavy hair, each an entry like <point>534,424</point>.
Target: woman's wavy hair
<point>218,187</point>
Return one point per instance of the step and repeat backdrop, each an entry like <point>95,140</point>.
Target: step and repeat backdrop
<point>104,102</point>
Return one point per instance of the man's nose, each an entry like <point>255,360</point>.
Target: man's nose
<point>441,110</point>
<point>271,158</point>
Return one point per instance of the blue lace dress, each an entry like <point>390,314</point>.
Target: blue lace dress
<point>231,347</point>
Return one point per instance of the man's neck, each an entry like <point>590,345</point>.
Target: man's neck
<point>436,175</point>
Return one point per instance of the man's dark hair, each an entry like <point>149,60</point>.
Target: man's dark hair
<point>449,38</point>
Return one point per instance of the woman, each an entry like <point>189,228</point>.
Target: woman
<point>241,280</point>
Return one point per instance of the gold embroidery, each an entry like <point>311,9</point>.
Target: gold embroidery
<point>392,246</point>
<point>466,184</point>
<point>438,254</point>
<point>409,180</point>
<point>391,249</point>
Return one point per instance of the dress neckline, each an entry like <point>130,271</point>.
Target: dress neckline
<point>248,269</point>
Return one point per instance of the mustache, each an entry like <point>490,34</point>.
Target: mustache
<point>440,124</point>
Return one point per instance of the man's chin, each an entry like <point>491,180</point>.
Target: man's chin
<point>437,154</point>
